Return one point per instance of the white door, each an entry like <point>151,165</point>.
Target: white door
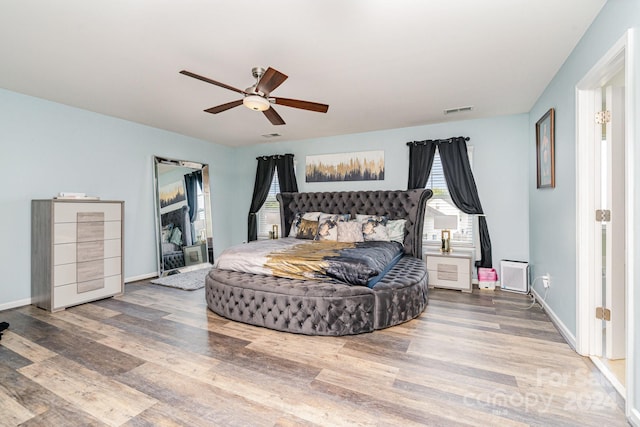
<point>610,224</point>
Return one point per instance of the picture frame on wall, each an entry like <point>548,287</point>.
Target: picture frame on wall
<point>545,150</point>
<point>358,166</point>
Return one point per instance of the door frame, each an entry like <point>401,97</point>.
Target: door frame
<point>620,55</point>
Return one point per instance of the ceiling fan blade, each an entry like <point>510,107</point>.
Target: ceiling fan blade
<point>223,107</point>
<point>213,82</point>
<point>273,117</point>
<point>304,105</point>
<point>270,80</point>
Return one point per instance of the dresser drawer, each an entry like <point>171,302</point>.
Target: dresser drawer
<point>87,212</point>
<point>72,294</point>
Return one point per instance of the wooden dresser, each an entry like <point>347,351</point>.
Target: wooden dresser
<point>76,251</point>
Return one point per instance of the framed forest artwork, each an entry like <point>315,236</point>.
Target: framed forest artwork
<point>358,166</point>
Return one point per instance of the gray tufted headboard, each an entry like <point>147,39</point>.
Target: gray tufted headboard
<point>394,204</point>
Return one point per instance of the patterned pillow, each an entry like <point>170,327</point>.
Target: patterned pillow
<point>299,216</point>
<point>176,237</point>
<point>350,231</point>
<point>395,228</point>
<point>328,226</point>
<point>374,227</point>
<point>307,229</point>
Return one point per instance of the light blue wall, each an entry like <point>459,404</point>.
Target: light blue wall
<point>553,211</point>
<point>500,167</point>
<point>47,148</point>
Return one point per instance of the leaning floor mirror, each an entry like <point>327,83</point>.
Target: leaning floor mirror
<point>183,215</point>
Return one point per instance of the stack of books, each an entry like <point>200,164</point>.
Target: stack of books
<point>75,196</point>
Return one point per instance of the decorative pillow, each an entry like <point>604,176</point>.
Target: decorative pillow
<point>166,233</point>
<point>307,229</point>
<point>299,216</point>
<point>373,227</point>
<point>327,226</point>
<point>176,236</point>
<point>395,228</point>
<point>350,232</point>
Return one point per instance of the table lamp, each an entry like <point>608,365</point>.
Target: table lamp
<point>273,219</point>
<point>445,223</point>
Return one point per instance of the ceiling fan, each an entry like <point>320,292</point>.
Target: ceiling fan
<point>257,96</point>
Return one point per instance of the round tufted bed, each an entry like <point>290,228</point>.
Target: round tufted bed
<point>332,307</point>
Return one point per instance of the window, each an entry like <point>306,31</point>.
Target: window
<point>441,204</point>
<point>271,208</point>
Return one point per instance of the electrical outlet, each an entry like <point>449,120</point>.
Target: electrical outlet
<point>546,281</point>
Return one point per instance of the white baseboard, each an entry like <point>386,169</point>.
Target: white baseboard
<point>15,304</point>
<point>562,328</point>
<point>27,301</point>
<point>634,417</point>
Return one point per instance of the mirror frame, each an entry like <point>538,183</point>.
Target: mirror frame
<point>206,192</point>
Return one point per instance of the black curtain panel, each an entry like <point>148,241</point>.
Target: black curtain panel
<point>192,181</point>
<point>462,188</point>
<point>264,176</point>
<point>286,174</point>
<point>421,154</point>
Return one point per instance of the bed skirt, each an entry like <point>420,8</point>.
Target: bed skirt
<point>320,307</point>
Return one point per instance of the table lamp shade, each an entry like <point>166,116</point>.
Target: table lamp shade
<point>445,222</point>
<point>272,218</point>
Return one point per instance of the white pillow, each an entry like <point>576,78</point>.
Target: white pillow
<point>395,229</point>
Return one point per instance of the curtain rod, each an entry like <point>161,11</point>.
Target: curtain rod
<point>274,156</point>
<point>439,141</point>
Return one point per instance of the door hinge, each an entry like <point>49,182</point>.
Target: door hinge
<point>603,215</point>
<point>603,313</point>
<point>603,117</point>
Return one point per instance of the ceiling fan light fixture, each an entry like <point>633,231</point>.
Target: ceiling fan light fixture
<point>256,103</point>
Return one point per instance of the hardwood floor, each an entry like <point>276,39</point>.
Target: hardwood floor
<point>157,356</point>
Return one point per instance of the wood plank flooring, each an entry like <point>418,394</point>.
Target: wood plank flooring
<point>157,357</point>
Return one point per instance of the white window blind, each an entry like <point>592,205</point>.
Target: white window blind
<point>271,205</point>
<point>442,204</point>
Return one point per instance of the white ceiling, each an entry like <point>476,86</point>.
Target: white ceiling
<point>379,64</point>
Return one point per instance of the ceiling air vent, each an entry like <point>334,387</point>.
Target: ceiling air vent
<point>271,135</point>
<point>458,110</point>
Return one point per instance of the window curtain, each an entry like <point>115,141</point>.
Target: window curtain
<point>460,182</point>
<point>286,174</point>
<point>421,154</point>
<point>192,181</point>
<point>264,176</point>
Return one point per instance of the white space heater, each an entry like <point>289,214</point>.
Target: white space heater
<point>514,276</point>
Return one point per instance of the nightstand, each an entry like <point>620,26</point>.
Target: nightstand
<point>449,270</point>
